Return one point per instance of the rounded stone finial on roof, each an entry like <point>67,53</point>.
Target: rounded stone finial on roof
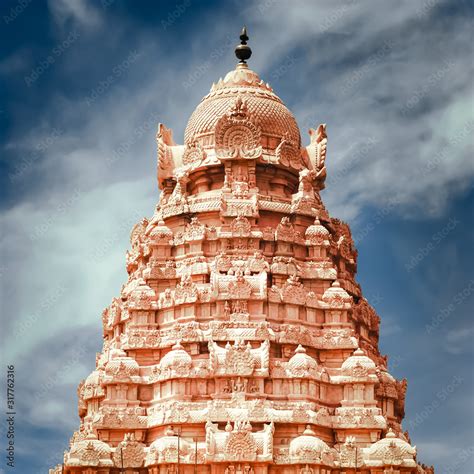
<point>177,360</point>
<point>301,364</point>
<point>307,447</point>
<point>308,431</point>
<point>242,51</point>
<point>358,363</point>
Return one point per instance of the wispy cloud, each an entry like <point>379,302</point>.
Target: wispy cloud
<point>78,12</point>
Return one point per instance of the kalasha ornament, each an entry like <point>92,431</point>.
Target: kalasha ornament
<point>241,342</point>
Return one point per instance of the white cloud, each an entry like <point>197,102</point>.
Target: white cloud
<point>459,341</point>
<point>81,12</point>
<point>419,148</point>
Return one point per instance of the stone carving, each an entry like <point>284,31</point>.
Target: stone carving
<point>316,153</point>
<point>236,135</point>
<point>293,291</point>
<point>239,288</point>
<point>129,453</point>
<point>164,138</point>
<point>238,359</point>
<point>194,154</point>
<point>301,364</point>
<point>285,230</point>
<point>239,469</point>
<point>240,227</point>
<point>186,291</point>
<point>287,153</point>
<point>350,455</point>
<point>240,444</point>
<point>194,230</point>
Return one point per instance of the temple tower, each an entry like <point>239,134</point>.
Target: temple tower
<point>241,342</point>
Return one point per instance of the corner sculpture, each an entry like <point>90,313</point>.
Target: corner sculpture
<point>241,342</point>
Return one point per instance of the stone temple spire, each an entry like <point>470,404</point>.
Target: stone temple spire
<point>241,342</point>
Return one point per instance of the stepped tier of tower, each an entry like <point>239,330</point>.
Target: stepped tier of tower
<point>241,342</point>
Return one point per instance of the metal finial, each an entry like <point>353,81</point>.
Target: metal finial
<point>242,51</point>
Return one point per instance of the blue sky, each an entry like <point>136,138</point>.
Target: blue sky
<point>82,87</point>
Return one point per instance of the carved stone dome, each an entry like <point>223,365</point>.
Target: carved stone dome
<point>308,446</point>
<point>143,297</point>
<point>91,451</point>
<point>335,295</point>
<point>177,359</point>
<point>264,107</point>
<point>301,364</point>
<point>165,449</point>
<point>391,448</point>
<point>317,234</point>
<point>358,359</point>
<point>93,385</point>
<point>122,367</point>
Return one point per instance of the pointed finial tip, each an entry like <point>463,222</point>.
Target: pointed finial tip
<point>242,51</point>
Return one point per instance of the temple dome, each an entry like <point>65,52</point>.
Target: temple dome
<point>358,359</point>
<point>93,378</point>
<point>177,359</point>
<point>301,364</point>
<point>166,448</point>
<point>335,295</point>
<point>307,446</point>
<point>122,367</point>
<point>317,234</point>
<point>142,297</point>
<point>90,452</point>
<point>266,109</point>
<point>391,447</point>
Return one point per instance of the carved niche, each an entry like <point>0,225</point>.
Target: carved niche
<point>236,136</point>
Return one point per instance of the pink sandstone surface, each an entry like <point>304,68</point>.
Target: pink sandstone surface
<point>241,342</point>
